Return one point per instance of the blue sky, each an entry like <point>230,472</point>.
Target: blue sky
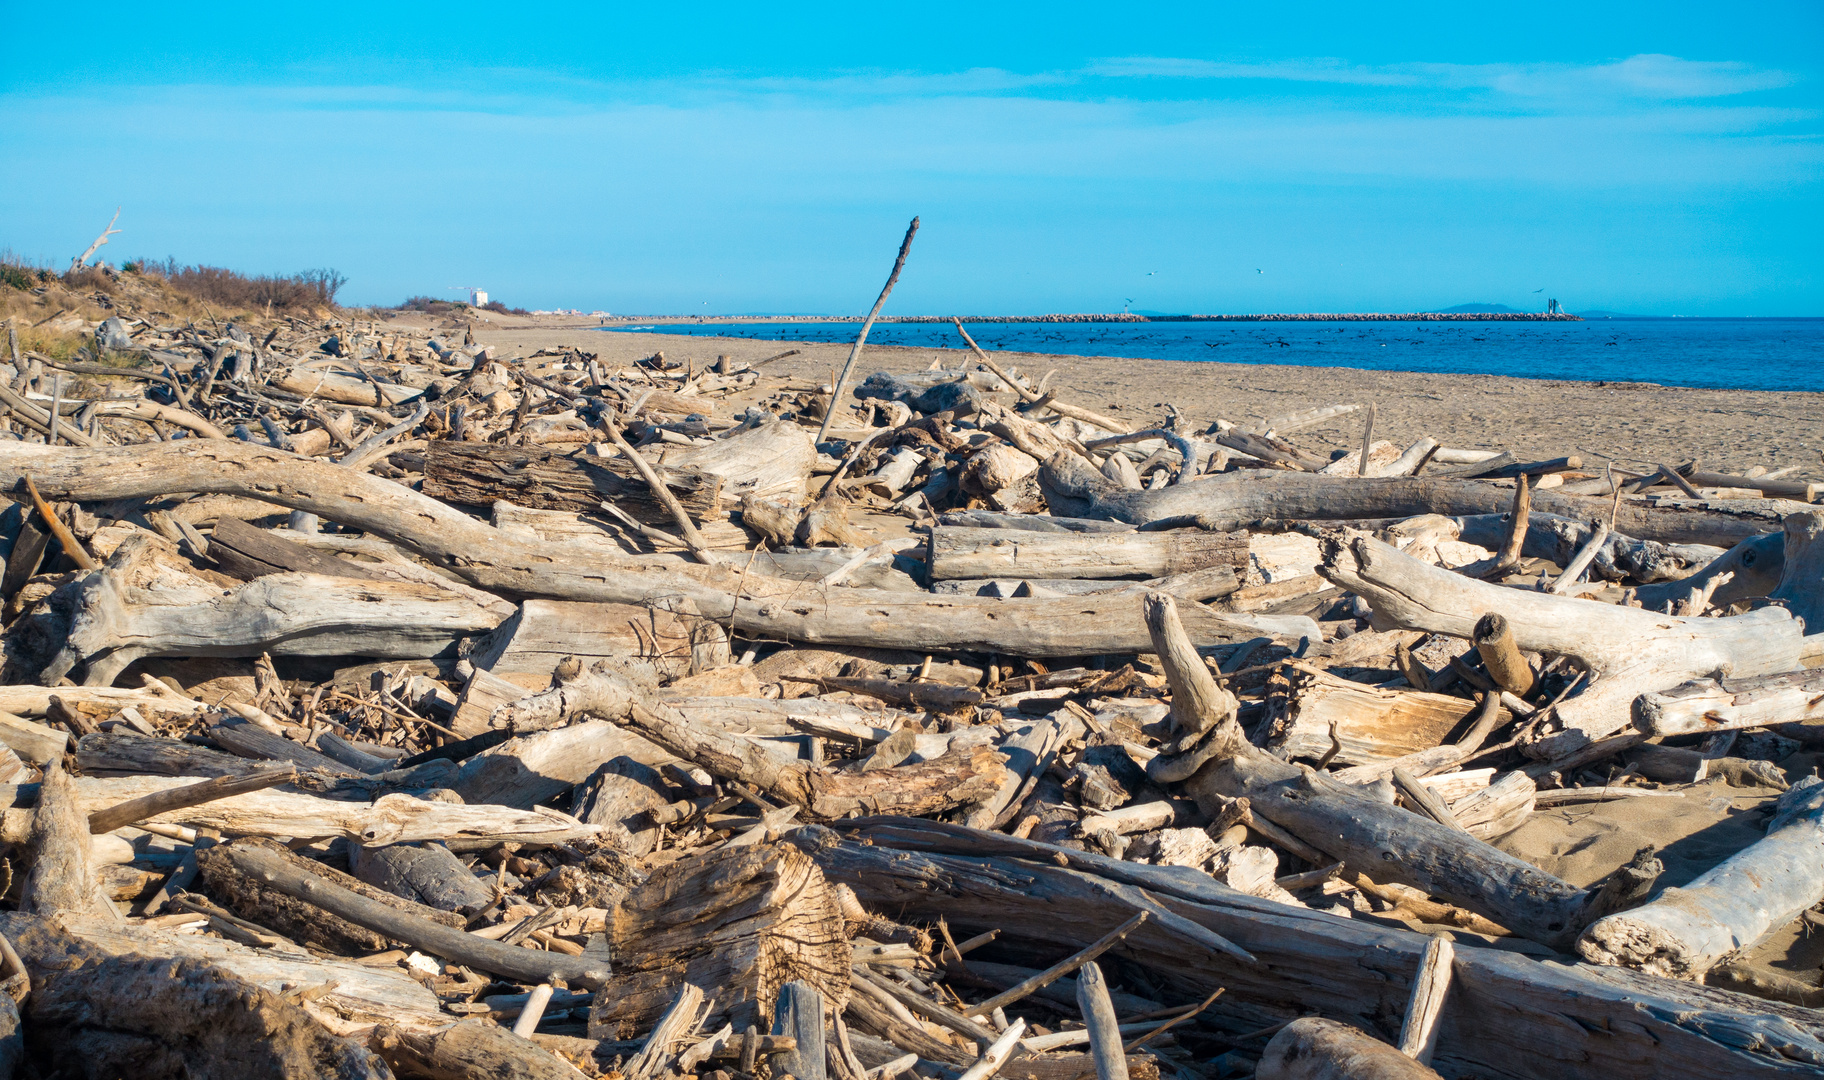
<point>1661,158</point>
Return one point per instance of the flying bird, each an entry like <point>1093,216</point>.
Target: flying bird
<point>1538,290</point>
<point>1258,270</point>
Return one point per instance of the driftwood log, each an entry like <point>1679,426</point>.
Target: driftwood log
<point>1506,1014</point>
<point>1686,931</point>
<point>509,566</point>
<point>479,474</point>
<point>1235,500</point>
<point>1710,705</point>
<point>130,609</point>
<point>958,552</point>
<point>1628,651</point>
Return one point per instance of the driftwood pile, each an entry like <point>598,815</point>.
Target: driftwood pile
<point>378,704</point>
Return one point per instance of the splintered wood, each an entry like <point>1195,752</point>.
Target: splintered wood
<point>379,703</point>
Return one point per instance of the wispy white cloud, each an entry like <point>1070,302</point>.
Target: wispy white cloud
<point>1645,76</point>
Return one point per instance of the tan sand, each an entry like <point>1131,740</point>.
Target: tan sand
<point>1725,430</point>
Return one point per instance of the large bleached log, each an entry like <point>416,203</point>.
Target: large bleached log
<point>1507,1015</point>
<point>991,553</point>
<point>126,1015</point>
<point>1312,1048</point>
<point>542,632</point>
<point>1707,705</point>
<point>1686,931</point>
<point>28,700</point>
<point>509,566</point>
<point>425,873</point>
<point>392,819</point>
<point>1234,500</point>
<point>61,880</point>
<point>1628,651</point>
<point>479,474</point>
<point>115,616</point>
<point>1367,836</point>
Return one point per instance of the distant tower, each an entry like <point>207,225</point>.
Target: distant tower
<point>1553,307</point>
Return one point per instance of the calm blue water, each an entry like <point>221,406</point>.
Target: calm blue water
<point>1742,354</point>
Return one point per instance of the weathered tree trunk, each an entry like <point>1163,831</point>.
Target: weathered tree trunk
<point>346,389</point>
<point>361,995</point>
<point>247,552</point>
<point>990,553</point>
<point>1506,1015</point>
<point>510,566</point>
<point>525,771</point>
<point>1801,585</point>
<point>61,880</point>
<point>478,474</point>
<point>1763,887</point>
<point>1708,705</point>
<point>619,796</point>
<point>744,920</point>
<point>113,619</point>
<point>1312,1048</point>
<point>248,896</point>
<point>1627,650</point>
<point>1234,500</point>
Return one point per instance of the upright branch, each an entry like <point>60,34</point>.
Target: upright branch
<point>861,338</point>
<point>82,260</point>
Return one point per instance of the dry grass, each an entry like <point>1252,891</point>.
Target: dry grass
<point>301,293</point>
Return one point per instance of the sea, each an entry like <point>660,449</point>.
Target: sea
<point>1716,353</point>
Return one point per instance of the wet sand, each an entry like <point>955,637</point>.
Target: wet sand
<point>1629,423</point>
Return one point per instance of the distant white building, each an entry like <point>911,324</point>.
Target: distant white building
<point>478,297</point>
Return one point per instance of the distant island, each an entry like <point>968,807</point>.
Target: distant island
<point>1453,315</point>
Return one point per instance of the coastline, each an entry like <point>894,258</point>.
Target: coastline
<point>1630,423</point>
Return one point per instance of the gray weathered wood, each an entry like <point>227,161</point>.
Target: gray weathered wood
<point>990,553</point>
<point>426,873</point>
<point>1627,650</point>
<point>799,1013</point>
<point>1507,1012</point>
<point>1234,500</point>
<point>1688,930</point>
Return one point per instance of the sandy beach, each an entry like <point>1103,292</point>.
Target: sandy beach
<point>1629,423</point>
